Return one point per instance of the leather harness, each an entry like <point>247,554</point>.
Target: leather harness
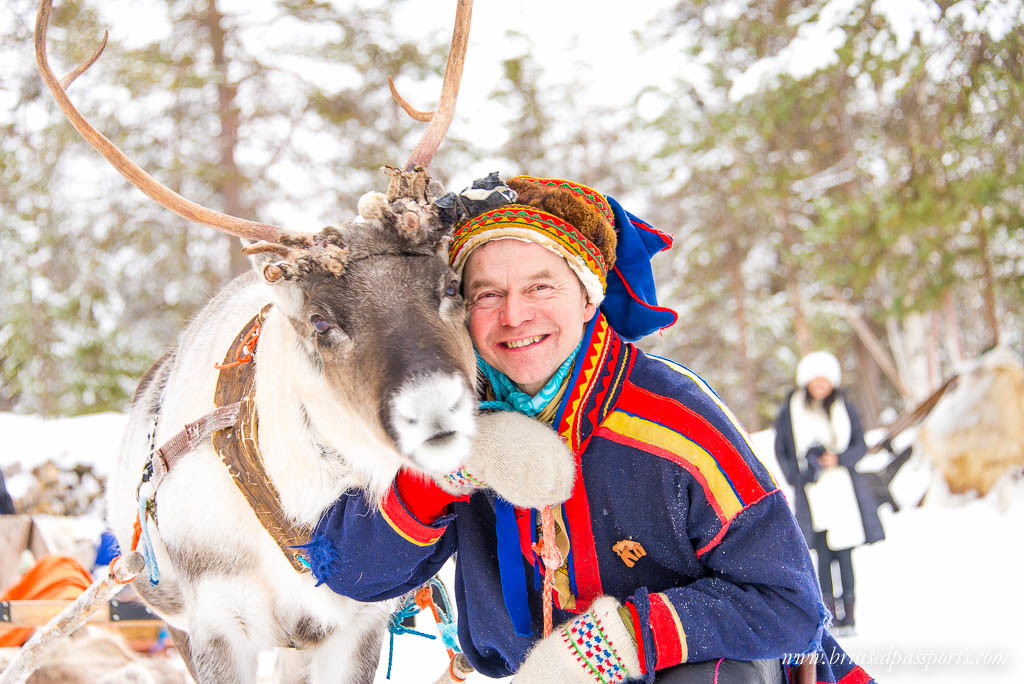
<point>233,426</point>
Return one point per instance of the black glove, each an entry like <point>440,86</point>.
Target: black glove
<point>813,455</point>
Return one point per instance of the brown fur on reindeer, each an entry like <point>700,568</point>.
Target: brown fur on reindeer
<point>975,434</point>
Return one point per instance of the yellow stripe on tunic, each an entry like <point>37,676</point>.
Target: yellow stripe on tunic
<point>683,370</point>
<point>402,533</point>
<point>656,435</point>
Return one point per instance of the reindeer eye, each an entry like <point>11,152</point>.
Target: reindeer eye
<point>453,288</point>
<point>320,324</point>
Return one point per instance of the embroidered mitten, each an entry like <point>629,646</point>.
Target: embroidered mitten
<point>520,458</point>
<point>592,647</point>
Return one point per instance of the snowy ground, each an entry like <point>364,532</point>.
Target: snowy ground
<point>939,601</point>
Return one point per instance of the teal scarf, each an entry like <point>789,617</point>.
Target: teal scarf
<point>508,397</point>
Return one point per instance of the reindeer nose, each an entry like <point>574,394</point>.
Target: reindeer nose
<point>429,403</point>
<point>433,414</point>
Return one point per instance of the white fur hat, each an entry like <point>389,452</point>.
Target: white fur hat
<point>819,364</point>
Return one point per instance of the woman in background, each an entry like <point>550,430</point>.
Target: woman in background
<point>818,442</point>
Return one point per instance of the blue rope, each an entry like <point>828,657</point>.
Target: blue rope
<point>147,546</point>
<point>395,626</point>
<point>448,629</point>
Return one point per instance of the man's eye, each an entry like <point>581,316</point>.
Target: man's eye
<point>486,299</point>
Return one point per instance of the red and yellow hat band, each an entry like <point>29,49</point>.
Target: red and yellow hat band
<point>520,222</point>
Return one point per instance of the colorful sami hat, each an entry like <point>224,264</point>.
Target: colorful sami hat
<point>607,248</point>
<point>570,219</point>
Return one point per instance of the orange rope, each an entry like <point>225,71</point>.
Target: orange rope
<point>547,549</point>
<point>246,347</point>
<point>425,599</point>
<point>136,532</point>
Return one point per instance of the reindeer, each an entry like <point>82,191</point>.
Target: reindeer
<point>363,366</point>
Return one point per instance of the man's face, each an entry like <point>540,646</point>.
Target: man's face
<point>527,309</point>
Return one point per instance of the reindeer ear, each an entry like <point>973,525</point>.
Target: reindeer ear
<point>271,269</point>
<point>269,260</point>
<point>374,205</point>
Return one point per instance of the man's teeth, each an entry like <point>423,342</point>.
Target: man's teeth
<point>516,344</point>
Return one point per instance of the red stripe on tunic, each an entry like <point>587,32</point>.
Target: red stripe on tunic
<point>638,632</point>
<point>697,428</point>
<point>666,633</point>
<point>581,542</point>
<point>668,455</point>
<point>406,524</point>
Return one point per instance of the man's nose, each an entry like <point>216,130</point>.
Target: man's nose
<point>516,310</point>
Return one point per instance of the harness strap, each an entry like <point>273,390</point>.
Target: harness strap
<point>233,428</point>
<point>196,433</point>
<point>237,445</point>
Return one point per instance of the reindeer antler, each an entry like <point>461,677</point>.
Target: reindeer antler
<point>302,254</point>
<point>163,195</point>
<point>441,118</point>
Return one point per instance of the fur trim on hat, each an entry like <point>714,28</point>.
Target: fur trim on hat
<point>570,207</point>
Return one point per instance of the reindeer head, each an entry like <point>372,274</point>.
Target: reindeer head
<point>373,305</point>
<point>378,314</point>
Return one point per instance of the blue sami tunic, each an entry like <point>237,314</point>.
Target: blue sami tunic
<point>660,461</point>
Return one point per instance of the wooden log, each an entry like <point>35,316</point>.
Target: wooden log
<point>14,536</point>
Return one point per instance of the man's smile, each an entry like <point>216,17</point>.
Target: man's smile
<point>523,342</point>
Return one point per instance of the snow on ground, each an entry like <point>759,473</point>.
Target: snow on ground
<point>938,601</point>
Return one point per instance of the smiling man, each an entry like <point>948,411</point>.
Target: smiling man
<point>527,310</point>
<point>681,559</point>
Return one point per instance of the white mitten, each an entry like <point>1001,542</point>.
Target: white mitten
<point>523,460</point>
<point>592,647</point>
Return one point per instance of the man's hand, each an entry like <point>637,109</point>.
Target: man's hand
<point>523,460</point>
<point>592,647</point>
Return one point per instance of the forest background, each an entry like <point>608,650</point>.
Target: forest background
<point>841,174</point>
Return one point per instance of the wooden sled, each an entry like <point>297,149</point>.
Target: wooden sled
<point>139,627</point>
<point>880,481</point>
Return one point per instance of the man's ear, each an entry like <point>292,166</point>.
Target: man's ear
<point>588,312</point>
